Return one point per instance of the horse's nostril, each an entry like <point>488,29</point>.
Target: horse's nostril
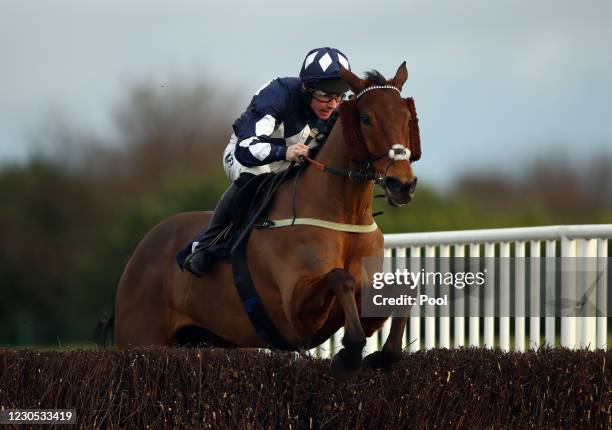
<point>413,185</point>
<point>393,184</point>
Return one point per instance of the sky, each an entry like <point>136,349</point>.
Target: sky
<point>497,84</point>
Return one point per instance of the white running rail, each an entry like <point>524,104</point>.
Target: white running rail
<point>513,285</point>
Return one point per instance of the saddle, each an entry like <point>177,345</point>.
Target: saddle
<point>252,204</point>
<point>251,196</point>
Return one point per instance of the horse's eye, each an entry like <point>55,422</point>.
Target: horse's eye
<point>365,119</point>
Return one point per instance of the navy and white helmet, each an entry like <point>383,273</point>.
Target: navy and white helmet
<point>321,70</point>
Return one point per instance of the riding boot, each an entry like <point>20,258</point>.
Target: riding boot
<point>200,260</point>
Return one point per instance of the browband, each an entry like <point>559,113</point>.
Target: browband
<point>377,87</point>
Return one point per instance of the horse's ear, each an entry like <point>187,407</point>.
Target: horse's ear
<point>400,76</point>
<point>354,82</point>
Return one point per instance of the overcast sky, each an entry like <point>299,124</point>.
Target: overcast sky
<point>496,83</point>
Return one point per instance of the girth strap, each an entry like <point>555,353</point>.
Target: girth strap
<point>348,228</point>
<point>254,308</point>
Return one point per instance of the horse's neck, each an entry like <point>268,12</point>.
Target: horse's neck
<point>334,197</point>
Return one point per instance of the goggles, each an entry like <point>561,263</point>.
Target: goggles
<point>326,97</point>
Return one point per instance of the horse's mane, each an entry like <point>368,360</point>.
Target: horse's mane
<point>414,132</point>
<point>373,77</point>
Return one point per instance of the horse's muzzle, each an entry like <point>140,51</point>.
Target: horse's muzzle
<point>399,193</point>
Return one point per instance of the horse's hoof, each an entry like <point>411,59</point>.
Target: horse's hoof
<point>381,360</point>
<point>345,363</point>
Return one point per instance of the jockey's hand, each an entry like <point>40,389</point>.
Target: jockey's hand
<point>295,151</point>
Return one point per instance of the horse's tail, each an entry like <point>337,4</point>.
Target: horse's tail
<point>104,330</point>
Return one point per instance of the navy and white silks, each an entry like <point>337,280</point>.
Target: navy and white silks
<point>277,117</point>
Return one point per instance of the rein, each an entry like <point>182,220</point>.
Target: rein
<point>364,174</point>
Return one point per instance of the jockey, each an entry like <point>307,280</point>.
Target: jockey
<point>271,133</point>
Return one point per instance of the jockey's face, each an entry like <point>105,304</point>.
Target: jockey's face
<point>323,109</point>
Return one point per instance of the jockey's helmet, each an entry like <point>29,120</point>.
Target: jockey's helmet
<point>321,70</point>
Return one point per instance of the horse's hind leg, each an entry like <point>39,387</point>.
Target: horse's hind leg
<point>342,284</point>
<point>141,326</point>
<point>142,316</point>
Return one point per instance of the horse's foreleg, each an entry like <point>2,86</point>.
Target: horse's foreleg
<point>341,284</point>
<point>391,351</point>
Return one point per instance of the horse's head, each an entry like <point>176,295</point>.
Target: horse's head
<point>382,131</point>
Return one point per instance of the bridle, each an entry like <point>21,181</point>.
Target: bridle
<point>367,171</point>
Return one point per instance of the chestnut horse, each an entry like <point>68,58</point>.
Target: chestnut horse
<point>308,277</point>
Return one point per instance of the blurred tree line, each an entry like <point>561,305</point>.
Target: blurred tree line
<point>71,216</point>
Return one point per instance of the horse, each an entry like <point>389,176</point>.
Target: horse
<point>309,278</point>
